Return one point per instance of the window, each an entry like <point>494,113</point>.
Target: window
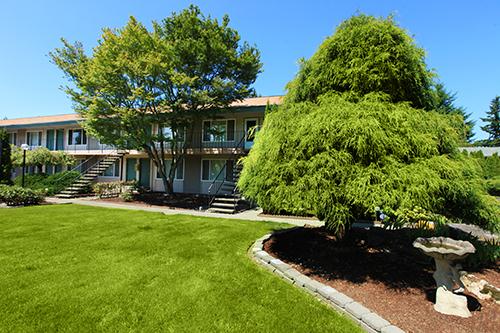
<point>113,170</point>
<point>13,138</point>
<point>218,130</point>
<point>168,133</point>
<point>77,137</point>
<point>210,169</point>
<point>34,139</point>
<point>179,173</point>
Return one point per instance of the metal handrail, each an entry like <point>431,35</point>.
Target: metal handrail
<point>212,198</point>
<point>90,167</point>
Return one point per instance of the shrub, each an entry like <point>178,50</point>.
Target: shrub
<point>51,184</point>
<point>339,160</point>
<point>114,189</point>
<point>127,196</point>
<point>18,196</point>
<point>493,186</point>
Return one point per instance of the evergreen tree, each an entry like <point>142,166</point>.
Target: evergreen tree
<point>492,120</point>
<point>444,103</point>
<point>5,162</point>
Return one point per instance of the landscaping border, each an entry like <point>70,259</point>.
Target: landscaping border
<point>368,320</point>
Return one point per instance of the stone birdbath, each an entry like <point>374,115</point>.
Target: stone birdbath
<point>446,252</point>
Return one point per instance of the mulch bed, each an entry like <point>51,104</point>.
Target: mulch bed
<point>381,269</point>
<point>178,201</point>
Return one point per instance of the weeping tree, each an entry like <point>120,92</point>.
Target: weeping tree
<point>358,131</point>
<point>188,66</point>
<point>364,55</point>
<point>5,159</point>
<point>339,160</point>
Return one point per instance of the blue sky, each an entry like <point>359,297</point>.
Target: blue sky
<point>462,40</point>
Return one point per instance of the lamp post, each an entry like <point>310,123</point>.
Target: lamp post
<point>24,147</point>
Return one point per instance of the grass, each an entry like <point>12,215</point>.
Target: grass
<point>77,268</point>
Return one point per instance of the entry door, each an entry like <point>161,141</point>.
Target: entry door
<point>144,172</point>
<point>250,128</point>
<point>131,173</point>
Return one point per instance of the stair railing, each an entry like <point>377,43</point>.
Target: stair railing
<point>215,181</point>
<point>114,152</point>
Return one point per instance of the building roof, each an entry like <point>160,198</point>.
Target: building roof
<point>487,151</point>
<point>73,117</point>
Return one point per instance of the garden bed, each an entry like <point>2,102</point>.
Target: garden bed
<point>151,199</point>
<point>382,270</point>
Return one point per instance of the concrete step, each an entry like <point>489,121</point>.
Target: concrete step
<point>227,205</point>
<point>221,210</point>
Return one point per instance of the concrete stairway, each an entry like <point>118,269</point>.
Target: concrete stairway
<point>232,202</point>
<point>88,176</point>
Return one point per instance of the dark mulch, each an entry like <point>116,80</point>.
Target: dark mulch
<point>177,201</point>
<point>382,270</point>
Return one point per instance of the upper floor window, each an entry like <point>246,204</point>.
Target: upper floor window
<point>168,133</point>
<point>13,138</point>
<point>34,139</point>
<point>218,130</point>
<point>77,137</point>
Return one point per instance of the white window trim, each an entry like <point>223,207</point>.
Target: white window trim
<point>79,145</point>
<point>201,169</point>
<point>224,119</point>
<point>175,177</point>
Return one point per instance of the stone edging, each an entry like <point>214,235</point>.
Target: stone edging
<point>368,320</point>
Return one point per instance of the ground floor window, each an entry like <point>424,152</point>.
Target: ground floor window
<point>179,172</point>
<point>113,170</point>
<point>211,169</point>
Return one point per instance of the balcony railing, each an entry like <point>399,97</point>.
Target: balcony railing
<point>199,141</point>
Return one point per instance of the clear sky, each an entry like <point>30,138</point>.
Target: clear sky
<point>462,40</point>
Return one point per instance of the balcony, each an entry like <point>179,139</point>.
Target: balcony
<point>200,142</point>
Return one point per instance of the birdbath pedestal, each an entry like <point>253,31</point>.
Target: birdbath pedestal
<point>446,252</point>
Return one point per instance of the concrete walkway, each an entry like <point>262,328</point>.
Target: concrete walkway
<point>252,215</point>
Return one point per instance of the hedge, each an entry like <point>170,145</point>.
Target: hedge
<point>18,196</point>
<point>50,184</point>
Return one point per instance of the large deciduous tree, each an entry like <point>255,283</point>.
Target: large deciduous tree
<point>492,120</point>
<point>186,66</point>
<point>364,55</point>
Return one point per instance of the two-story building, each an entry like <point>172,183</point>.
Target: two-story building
<point>207,153</point>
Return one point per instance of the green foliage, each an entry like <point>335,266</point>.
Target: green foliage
<point>490,166</point>
<point>127,196</point>
<point>415,217</point>
<point>5,158</point>
<point>18,196</point>
<point>41,156</point>
<point>364,55</point>
<point>444,103</point>
<point>188,64</point>
<point>339,160</point>
<point>113,189</point>
<point>492,121</point>
<point>49,184</point>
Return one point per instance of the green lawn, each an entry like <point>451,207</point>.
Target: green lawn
<point>77,268</point>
